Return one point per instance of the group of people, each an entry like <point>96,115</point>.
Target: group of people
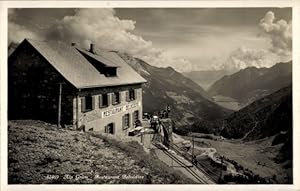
<point>160,130</point>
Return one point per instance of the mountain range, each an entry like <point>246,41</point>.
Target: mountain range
<point>206,78</point>
<point>189,102</point>
<point>253,83</point>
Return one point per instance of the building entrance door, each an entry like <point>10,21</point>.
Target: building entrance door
<point>110,128</point>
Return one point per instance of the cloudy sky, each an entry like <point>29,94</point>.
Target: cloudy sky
<point>186,39</point>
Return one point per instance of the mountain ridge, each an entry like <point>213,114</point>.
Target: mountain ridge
<point>187,99</point>
<point>253,83</point>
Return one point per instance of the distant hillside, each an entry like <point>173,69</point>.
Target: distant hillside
<point>189,102</point>
<point>266,117</point>
<point>263,118</point>
<point>252,83</point>
<point>206,78</point>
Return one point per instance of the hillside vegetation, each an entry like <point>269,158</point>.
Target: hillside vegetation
<point>40,153</point>
<point>263,118</point>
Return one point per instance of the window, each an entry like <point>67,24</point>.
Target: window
<point>126,123</point>
<point>110,71</point>
<point>87,103</point>
<point>115,98</point>
<point>103,100</point>
<point>130,95</point>
<point>135,117</point>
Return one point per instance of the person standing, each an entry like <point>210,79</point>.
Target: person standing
<point>168,110</point>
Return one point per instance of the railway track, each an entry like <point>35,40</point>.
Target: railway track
<point>200,168</point>
<point>177,150</point>
<point>187,168</point>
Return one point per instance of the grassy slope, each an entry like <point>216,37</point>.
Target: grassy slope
<point>38,152</point>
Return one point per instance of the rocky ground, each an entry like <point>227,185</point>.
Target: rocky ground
<point>42,153</point>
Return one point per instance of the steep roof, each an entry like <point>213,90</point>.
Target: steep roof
<point>71,64</point>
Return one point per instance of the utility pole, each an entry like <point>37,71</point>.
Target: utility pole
<point>59,105</point>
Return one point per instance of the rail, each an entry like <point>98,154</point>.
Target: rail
<point>187,168</point>
<point>177,150</point>
<point>212,175</point>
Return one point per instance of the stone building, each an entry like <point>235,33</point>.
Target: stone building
<point>68,85</point>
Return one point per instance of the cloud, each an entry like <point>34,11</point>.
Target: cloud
<point>103,28</point>
<point>16,32</point>
<point>280,33</point>
<point>245,57</point>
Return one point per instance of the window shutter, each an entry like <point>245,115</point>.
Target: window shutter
<point>137,114</point>
<point>136,91</point>
<point>123,122</point>
<point>129,120</point>
<point>108,99</point>
<point>133,119</point>
<point>100,101</point>
<point>83,108</point>
<point>93,102</point>
<point>113,98</point>
<point>127,95</point>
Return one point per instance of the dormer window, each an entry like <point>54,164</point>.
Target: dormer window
<point>110,71</point>
<point>101,61</point>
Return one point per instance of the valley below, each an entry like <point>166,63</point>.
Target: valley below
<point>227,102</point>
<point>257,158</point>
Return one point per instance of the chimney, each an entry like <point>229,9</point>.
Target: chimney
<point>73,44</point>
<point>92,50</point>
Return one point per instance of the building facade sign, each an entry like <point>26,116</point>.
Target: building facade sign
<point>115,110</point>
